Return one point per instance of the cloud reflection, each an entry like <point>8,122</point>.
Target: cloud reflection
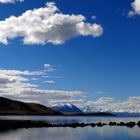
<point>87,133</point>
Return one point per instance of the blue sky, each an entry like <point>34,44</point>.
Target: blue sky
<point>106,66</point>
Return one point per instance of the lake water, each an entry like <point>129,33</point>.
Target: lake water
<point>86,133</point>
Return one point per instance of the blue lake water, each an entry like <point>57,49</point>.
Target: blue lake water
<point>86,133</point>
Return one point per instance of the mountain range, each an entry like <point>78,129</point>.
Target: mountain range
<point>90,109</point>
<point>12,107</point>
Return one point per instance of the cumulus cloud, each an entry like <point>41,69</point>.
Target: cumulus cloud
<point>135,8</point>
<point>10,1</point>
<point>47,25</point>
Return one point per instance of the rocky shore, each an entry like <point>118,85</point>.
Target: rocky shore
<point>16,124</point>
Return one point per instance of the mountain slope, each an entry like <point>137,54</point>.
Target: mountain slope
<point>11,107</point>
<point>66,108</point>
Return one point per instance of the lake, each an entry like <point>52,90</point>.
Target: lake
<point>86,133</point>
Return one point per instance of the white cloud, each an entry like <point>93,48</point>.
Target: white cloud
<point>50,81</point>
<point>34,79</point>
<point>132,104</point>
<point>47,25</point>
<point>135,8</point>
<point>135,99</point>
<point>19,72</point>
<point>16,84</point>
<point>5,79</point>
<point>14,81</point>
<point>47,65</point>
<point>10,1</point>
<point>104,100</point>
<point>45,96</point>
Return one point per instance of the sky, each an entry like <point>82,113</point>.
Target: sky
<point>70,51</point>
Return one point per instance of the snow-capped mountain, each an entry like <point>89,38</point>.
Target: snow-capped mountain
<point>119,111</point>
<point>65,108</point>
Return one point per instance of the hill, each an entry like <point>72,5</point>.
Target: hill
<point>12,107</point>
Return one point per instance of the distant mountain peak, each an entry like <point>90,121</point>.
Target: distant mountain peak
<point>65,107</point>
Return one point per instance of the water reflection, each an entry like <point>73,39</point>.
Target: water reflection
<point>116,131</point>
<point>87,133</point>
<point>74,119</point>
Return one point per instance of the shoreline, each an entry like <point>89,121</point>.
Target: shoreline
<point>62,114</point>
<point>17,124</point>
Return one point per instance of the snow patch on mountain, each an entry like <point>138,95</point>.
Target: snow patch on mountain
<point>65,107</point>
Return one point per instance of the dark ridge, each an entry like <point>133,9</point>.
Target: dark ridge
<point>12,107</point>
